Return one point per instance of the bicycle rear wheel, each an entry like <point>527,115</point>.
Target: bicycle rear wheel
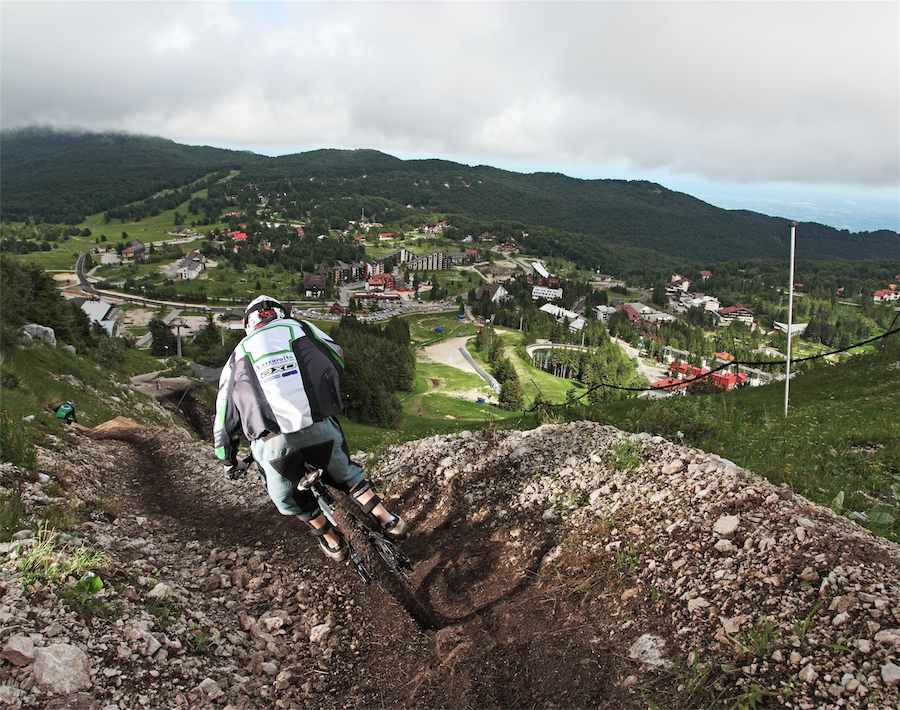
<point>387,563</point>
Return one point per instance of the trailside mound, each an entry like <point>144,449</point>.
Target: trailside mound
<point>673,575</point>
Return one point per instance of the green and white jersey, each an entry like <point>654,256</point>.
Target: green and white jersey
<point>280,379</point>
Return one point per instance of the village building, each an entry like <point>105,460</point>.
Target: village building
<point>604,313</point>
<point>885,295</point>
<point>539,293</point>
<point>313,285</point>
<point>575,322</point>
<point>735,314</point>
<point>380,283</point>
<point>191,266</point>
<point>135,250</point>
<point>102,314</point>
<point>494,292</point>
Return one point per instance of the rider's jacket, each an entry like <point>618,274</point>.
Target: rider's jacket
<point>281,378</point>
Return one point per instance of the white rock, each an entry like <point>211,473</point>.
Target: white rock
<point>726,525</point>
<point>62,668</point>
<point>673,467</point>
<point>319,633</point>
<point>808,674</point>
<point>19,650</point>
<point>40,332</point>
<point>160,591</point>
<point>648,649</point>
<point>840,619</point>
<point>211,689</point>
<point>890,674</point>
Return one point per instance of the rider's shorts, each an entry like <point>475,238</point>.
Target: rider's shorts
<point>282,458</point>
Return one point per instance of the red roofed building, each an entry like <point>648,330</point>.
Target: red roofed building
<point>239,236</point>
<point>632,313</point>
<point>704,275</point>
<point>686,371</point>
<point>885,295</point>
<point>727,381</point>
<point>726,357</point>
<point>737,312</point>
<point>387,236</point>
<point>380,282</point>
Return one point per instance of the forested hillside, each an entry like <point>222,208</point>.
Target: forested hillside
<point>53,176</point>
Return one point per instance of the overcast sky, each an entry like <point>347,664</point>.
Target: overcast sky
<point>788,108</point>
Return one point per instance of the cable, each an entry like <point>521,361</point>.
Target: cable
<point>733,363</point>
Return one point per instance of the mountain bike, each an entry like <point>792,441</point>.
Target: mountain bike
<point>378,558</point>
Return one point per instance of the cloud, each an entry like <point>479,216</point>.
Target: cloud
<point>753,92</point>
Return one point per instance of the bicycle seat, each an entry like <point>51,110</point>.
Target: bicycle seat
<point>310,479</point>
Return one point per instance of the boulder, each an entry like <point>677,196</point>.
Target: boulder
<point>160,591</point>
<point>726,525</point>
<point>62,668</point>
<point>40,332</point>
<point>70,349</point>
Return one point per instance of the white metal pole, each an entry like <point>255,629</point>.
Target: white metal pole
<point>790,323</point>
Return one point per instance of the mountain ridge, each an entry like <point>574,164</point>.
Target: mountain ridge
<point>54,175</point>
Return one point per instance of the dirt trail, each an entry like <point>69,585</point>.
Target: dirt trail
<point>498,626</point>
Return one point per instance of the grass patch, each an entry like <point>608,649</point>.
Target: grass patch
<point>51,561</point>
<point>627,455</point>
<point>165,612</point>
<point>84,598</point>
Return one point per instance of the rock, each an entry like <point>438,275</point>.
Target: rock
<point>698,603</point>
<point>726,525</point>
<point>864,646</point>
<point>840,619</point>
<point>269,668</point>
<point>725,546</point>
<point>210,689</point>
<point>809,575</point>
<point>888,636</point>
<point>318,633</point>
<point>160,591</point>
<point>890,674</point>
<point>648,650</point>
<point>630,681</point>
<point>22,535</point>
<point>19,650</point>
<point>62,668</point>
<point>40,332</point>
<point>673,467</point>
<point>69,349</point>
<point>10,695</point>
<point>283,680</point>
<point>808,674</point>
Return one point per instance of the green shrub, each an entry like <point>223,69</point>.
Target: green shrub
<point>627,455</point>
<point>15,445</point>
<point>12,515</point>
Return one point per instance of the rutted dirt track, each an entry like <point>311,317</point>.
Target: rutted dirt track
<point>558,581</point>
<point>496,625</point>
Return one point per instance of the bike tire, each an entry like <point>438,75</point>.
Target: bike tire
<point>387,572</point>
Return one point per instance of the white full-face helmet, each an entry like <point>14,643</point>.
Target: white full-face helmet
<point>260,311</point>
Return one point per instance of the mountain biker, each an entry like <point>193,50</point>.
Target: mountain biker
<point>66,412</point>
<point>281,386</point>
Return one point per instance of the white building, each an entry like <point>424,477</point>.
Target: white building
<point>575,321</point>
<point>604,313</point>
<point>546,294</point>
<point>103,314</point>
<point>651,315</point>
<point>192,266</point>
<point>540,269</point>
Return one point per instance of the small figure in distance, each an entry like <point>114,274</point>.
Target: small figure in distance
<point>66,412</point>
<point>281,389</point>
